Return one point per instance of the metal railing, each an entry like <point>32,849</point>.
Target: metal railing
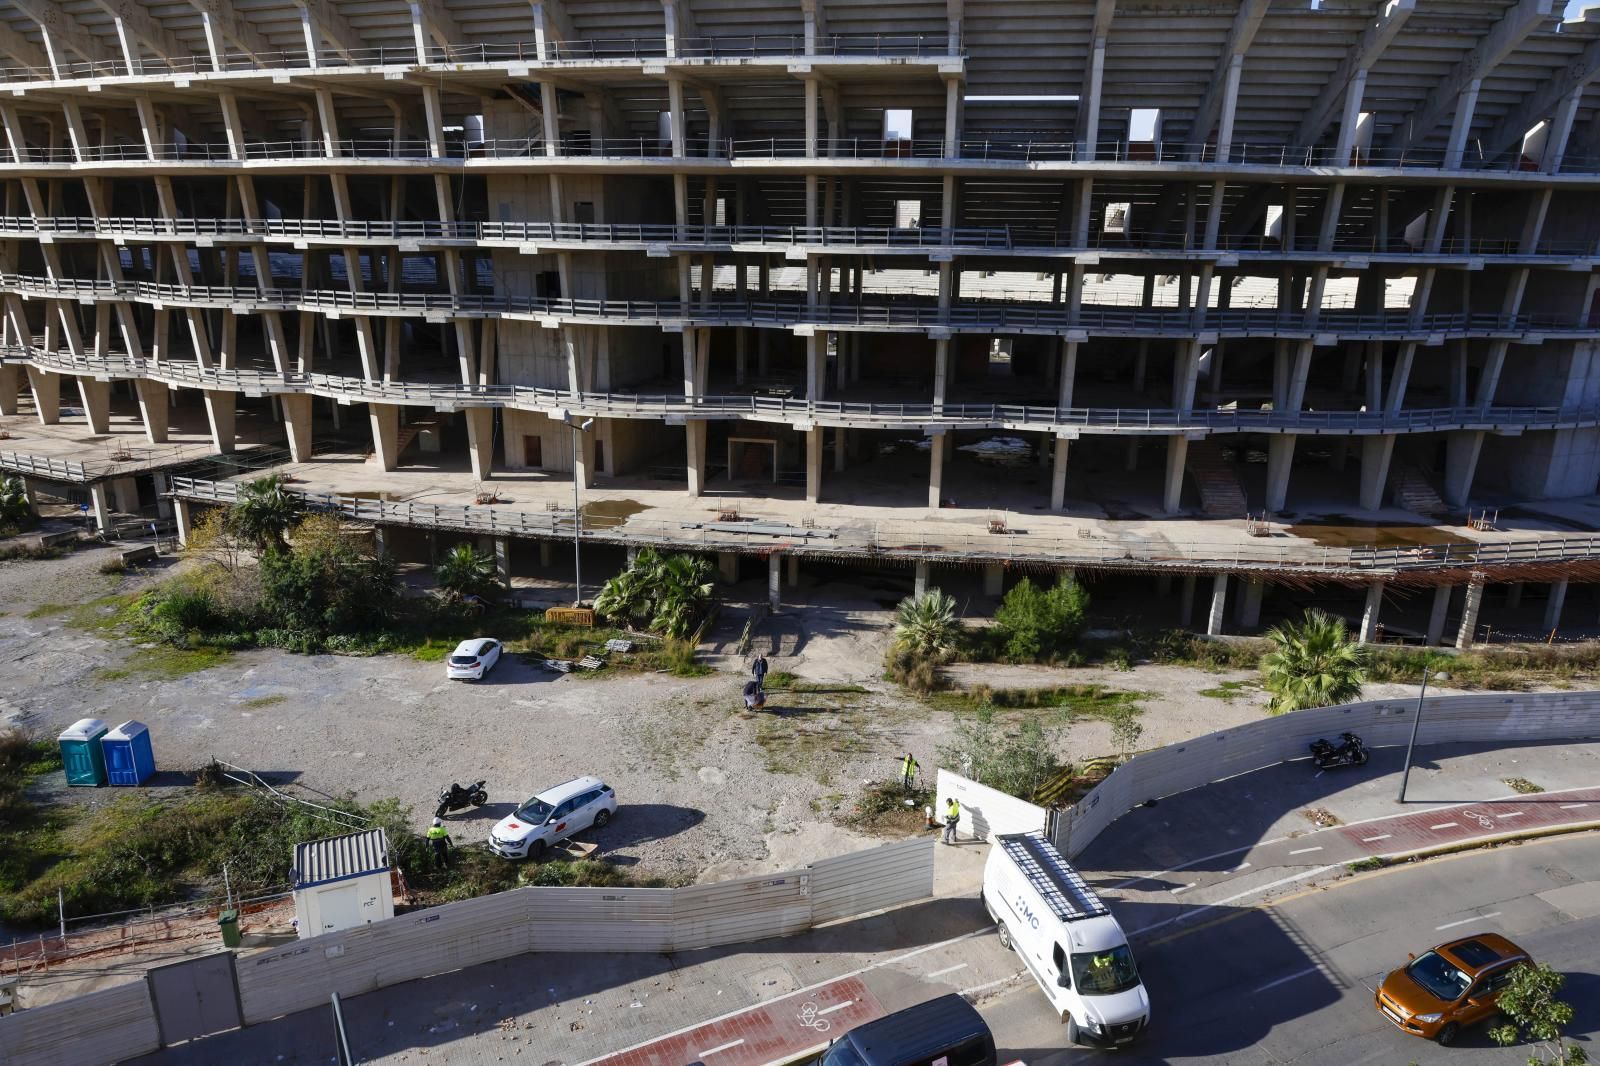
<point>893,238</point>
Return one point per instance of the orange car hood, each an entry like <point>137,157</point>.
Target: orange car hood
<point>1400,987</point>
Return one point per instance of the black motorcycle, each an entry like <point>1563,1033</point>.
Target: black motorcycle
<point>1352,752</point>
<point>458,796</point>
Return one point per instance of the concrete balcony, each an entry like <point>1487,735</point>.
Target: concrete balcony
<point>932,243</point>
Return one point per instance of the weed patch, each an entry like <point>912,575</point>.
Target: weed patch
<point>1523,785</point>
<point>889,810</point>
<point>1228,691</point>
<point>163,662</point>
<point>257,702</point>
<point>1089,701</point>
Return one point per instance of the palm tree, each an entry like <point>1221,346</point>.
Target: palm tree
<point>1313,663</point>
<point>665,593</point>
<point>263,513</point>
<point>927,624</point>
<point>465,571</point>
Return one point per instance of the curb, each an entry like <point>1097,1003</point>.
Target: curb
<point>1398,857</point>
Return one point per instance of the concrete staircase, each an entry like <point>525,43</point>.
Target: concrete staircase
<point>1221,495</point>
<point>1411,491</point>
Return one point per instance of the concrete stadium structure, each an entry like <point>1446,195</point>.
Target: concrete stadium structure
<point>1041,283</point>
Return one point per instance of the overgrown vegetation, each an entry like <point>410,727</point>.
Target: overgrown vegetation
<point>1531,1009</point>
<point>927,633</point>
<point>16,514</point>
<point>1313,663</point>
<point>1041,624</point>
<point>466,572</point>
<point>1089,700</point>
<point>667,594</point>
<point>1014,753</point>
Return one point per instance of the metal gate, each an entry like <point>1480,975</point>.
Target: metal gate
<point>195,997</point>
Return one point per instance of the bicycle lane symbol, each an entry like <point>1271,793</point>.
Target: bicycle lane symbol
<point>1483,820</point>
<point>811,1018</point>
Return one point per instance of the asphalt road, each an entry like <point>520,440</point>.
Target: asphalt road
<point>1293,982</point>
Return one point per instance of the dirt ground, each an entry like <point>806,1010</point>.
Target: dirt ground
<point>707,791</point>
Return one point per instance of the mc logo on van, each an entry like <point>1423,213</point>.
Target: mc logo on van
<point>1027,914</point>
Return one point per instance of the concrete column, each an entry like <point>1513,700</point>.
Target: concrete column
<point>791,576</point>
<point>180,510</point>
<point>936,470</point>
<point>100,494</point>
<point>1469,612</point>
<point>10,385</point>
<point>631,553</point>
<point>1069,374</point>
<point>385,418</point>
<point>841,445</point>
<point>941,372</point>
<point>1186,601</point>
<point>502,559</point>
<point>994,579</point>
<point>774,572</point>
<point>1177,455</point>
<point>96,397</point>
<point>46,395</point>
<point>163,485</point>
<point>1280,458</point>
<point>480,441</point>
<point>728,567</point>
<point>919,580</point>
<point>546,554</point>
<point>1163,585</point>
<point>1369,613</point>
<point>297,424</point>
<point>1460,464</point>
<point>1436,617</point>
<point>1219,599</point>
<point>695,437</point>
<point>155,405</point>
<point>814,464</point>
<point>1058,476</point>
<point>1552,607</point>
<point>1514,595</point>
<point>220,413</point>
<point>380,540</point>
<point>1376,453</point>
<point>125,494</point>
<point>1249,606</point>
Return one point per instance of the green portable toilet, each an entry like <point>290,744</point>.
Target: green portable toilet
<point>81,756</point>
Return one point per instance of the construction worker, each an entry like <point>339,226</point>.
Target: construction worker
<point>952,815</point>
<point>759,669</point>
<point>439,837</point>
<point>908,771</point>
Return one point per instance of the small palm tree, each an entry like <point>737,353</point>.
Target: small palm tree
<point>666,593</point>
<point>1313,663</point>
<point>263,513</point>
<point>465,571</point>
<point>927,624</point>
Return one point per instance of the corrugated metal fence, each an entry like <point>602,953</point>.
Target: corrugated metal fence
<point>1488,718</point>
<point>120,1023</point>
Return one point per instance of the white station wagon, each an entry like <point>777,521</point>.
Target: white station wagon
<point>552,816</point>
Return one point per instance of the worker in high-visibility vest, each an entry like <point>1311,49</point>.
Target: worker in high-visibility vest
<point>952,815</point>
<point>908,771</point>
<point>439,837</point>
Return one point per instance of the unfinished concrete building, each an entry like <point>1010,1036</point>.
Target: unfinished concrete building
<point>1135,287</point>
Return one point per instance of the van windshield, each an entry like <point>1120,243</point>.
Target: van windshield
<point>1105,973</point>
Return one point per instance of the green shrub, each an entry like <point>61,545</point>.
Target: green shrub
<point>913,669</point>
<point>1040,624</point>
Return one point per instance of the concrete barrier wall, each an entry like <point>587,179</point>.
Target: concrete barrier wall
<point>109,1025</point>
<point>985,811</point>
<point>1489,718</point>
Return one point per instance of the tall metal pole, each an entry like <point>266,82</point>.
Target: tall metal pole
<point>577,520</point>
<point>1416,720</point>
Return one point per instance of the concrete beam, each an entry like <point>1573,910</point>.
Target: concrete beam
<point>297,420</point>
<point>145,28</point>
<point>24,51</point>
<point>1542,103</point>
<point>385,418</point>
<point>1094,78</point>
<point>994,579</point>
<point>434,19</point>
<point>221,416</point>
<point>480,441</point>
<point>96,396</point>
<point>1280,459</point>
<point>1222,90</point>
<point>321,19</point>
<point>61,30</point>
<point>1356,62</point>
<point>1448,96</point>
<point>46,395</point>
<point>1186,600</point>
<point>223,23</point>
<point>551,25</point>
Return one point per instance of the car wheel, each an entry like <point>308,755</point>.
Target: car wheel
<point>536,850</point>
<point>1447,1035</point>
<point>1072,1029</point>
<point>602,818</point>
<point>1004,934</point>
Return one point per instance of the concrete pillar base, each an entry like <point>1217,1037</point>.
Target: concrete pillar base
<point>1438,614</point>
<point>774,573</point>
<point>1280,458</point>
<point>1058,475</point>
<point>1186,601</point>
<point>101,496</point>
<point>1177,456</point>
<point>1219,599</point>
<point>96,396</point>
<point>813,464</point>
<point>1552,607</point>
<point>1376,453</point>
<point>221,415</point>
<point>480,441</point>
<point>180,509</point>
<point>163,485</point>
<point>546,553</point>
<point>1250,603</point>
<point>1514,595</point>
<point>155,407</point>
<point>46,395</point>
<point>728,567</point>
<point>10,388</point>
<point>919,580</point>
<point>695,438</point>
<point>297,425</point>
<point>936,471</point>
<point>125,494</point>
<point>994,579</point>
<point>502,559</point>
<point>792,577</point>
<point>385,418</point>
<point>380,540</point>
<point>1460,464</point>
<point>1369,614</point>
<point>1467,633</point>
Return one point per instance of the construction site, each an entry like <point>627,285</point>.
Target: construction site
<point>1219,305</point>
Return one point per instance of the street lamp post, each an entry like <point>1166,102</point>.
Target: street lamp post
<point>1416,720</point>
<point>577,512</point>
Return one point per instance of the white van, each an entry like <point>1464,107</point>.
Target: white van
<point>1067,938</point>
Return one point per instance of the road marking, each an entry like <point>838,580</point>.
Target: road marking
<point>1572,806</point>
<point>1305,851</point>
<point>1467,921</point>
<point>721,1047</point>
<point>1262,890</point>
<point>1446,825</point>
<point>948,969</point>
<point>1286,980</point>
<point>1380,836</point>
<point>1511,814</point>
<point>1241,866</point>
<point>842,1006</point>
<point>991,984</point>
<point>1181,889</point>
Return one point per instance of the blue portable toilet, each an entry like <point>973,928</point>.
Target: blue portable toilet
<point>80,752</point>
<point>128,758</point>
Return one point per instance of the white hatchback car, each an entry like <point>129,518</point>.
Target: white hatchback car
<point>552,816</point>
<point>472,659</point>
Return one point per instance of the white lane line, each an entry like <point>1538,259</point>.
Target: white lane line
<point>1286,980</point>
<point>720,1047</point>
<point>1241,866</point>
<point>991,984</point>
<point>1258,891</point>
<point>1467,921</point>
<point>948,969</point>
<point>1305,851</point>
<point>1446,825</point>
<point>1181,889</point>
<point>1510,814</point>
<point>846,1003</point>
<point>1380,836</point>
<point>1572,806</point>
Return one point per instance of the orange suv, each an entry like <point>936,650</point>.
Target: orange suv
<point>1455,984</point>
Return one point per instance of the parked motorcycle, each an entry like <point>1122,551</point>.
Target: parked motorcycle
<point>1351,752</point>
<point>458,796</point>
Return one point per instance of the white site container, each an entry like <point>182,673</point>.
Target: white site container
<point>342,882</point>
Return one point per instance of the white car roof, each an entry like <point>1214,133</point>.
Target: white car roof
<point>471,646</point>
<point>559,794</point>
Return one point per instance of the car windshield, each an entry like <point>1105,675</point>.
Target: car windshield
<point>1105,973</point>
<point>1440,978</point>
<point>535,811</point>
